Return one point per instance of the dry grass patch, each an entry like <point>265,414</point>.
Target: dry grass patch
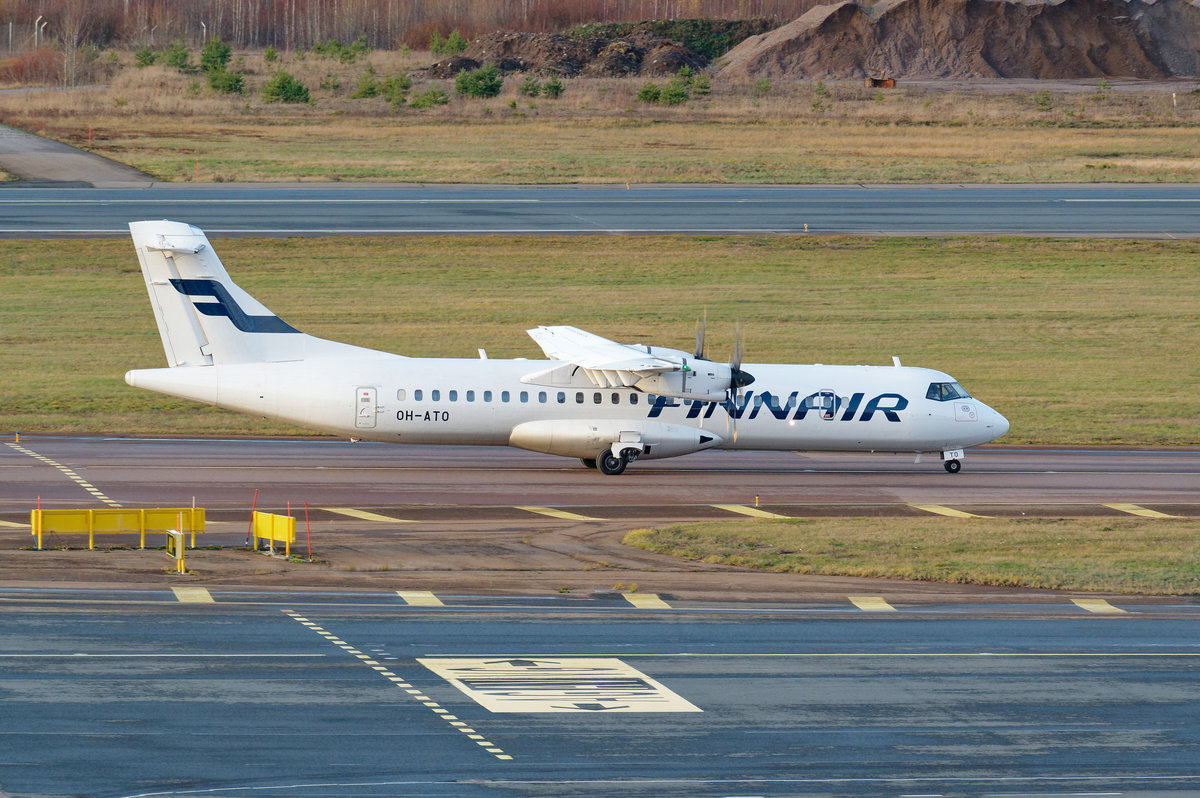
<point>161,121</point>
<point>1117,555</point>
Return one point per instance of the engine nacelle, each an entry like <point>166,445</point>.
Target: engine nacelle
<point>587,438</point>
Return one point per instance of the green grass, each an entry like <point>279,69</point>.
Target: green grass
<point>1119,555</point>
<point>1076,342</point>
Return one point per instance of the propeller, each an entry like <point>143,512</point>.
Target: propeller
<point>738,379</point>
<point>701,325</point>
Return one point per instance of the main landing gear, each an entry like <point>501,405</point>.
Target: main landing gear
<point>609,463</point>
<point>953,466</point>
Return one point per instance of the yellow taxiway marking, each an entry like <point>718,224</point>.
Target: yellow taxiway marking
<point>363,515</point>
<point>420,598</point>
<point>1098,605</point>
<point>871,603</point>
<point>563,514</point>
<point>555,684</point>
<point>1134,509</point>
<point>11,525</point>
<point>67,472</point>
<point>950,512</point>
<point>646,601</point>
<point>743,509</point>
<point>193,595</point>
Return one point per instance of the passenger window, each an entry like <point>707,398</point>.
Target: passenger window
<point>616,398</point>
<point>579,397</point>
<point>597,398</point>
<point>400,394</point>
<point>454,396</point>
<point>562,397</point>
<point>542,397</point>
<point>504,396</point>
<point>487,396</point>
<point>417,395</point>
<point>470,396</point>
<point>633,399</point>
<point>435,396</point>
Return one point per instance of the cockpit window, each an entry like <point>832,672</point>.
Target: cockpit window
<point>946,392</point>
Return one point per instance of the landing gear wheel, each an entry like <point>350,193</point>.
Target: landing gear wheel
<point>953,466</point>
<point>588,462</point>
<point>610,464</point>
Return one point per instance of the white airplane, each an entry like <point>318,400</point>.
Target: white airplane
<point>605,403</point>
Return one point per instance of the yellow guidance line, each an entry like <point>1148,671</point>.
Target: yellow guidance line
<point>420,598</point>
<point>563,514</point>
<point>11,525</point>
<point>1134,509</point>
<point>949,512</point>
<point>1098,606</point>
<point>742,509</point>
<point>646,601</point>
<point>871,604</point>
<point>363,515</point>
<point>193,595</point>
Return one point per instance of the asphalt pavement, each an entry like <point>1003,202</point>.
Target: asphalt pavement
<point>1125,210</point>
<point>113,694</point>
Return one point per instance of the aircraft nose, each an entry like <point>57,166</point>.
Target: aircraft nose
<point>998,425</point>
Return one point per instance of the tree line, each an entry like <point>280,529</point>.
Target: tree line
<point>293,24</point>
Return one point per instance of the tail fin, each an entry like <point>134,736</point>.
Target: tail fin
<point>203,317</point>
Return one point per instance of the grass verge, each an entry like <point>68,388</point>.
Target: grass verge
<point>1140,556</point>
<point>1076,342</point>
<point>162,121</point>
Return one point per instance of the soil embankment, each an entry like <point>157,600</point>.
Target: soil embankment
<point>1038,39</point>
<point>639,53</point>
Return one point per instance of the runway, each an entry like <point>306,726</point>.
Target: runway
<point>1125,210</point>
<point>117,695</point>
<point>455,483</point>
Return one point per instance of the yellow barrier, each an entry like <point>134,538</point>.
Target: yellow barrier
<point>274,528</point>
<point>116,522</point>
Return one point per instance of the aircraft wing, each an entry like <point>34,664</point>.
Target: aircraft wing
<point>607,363</point>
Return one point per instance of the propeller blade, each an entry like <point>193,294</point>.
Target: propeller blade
<point>701,326</point>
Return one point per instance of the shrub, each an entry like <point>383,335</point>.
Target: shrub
<point>284,88</point>
<point>762,87</point>
<point>179,57</point>
<point>649,93</point>
<point>226,82</point>
<point>215,56</point>
<point>145,57</point>
<point>270,55</point>
<point>820,90</point>
<point>437,45</point>
<point>1041,101</point>
<point>531,87</point>
<point>553,88</point>
<point>483,82</point>
<point>685,74</point>
<point>700,86</point>
<point>330,81</point>
<point>367,86</point>
<point>346,53</point>
<point>674,93</point>
<point>455,43</point>
<point>395,88</point>
<point>430,98</point>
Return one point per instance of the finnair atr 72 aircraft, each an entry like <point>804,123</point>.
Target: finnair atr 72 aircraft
<point>607,404</point>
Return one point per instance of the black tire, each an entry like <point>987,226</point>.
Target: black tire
<point>953,466</point>
<point>588,462</point>
<point>610,464</point>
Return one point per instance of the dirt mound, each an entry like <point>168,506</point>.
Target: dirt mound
<point>1044,39</point>
<point>552,54</point>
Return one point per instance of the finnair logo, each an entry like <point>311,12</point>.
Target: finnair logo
<point>225,305</point>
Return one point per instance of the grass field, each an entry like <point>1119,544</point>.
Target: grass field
<point>1120,555</point>
<point>162,121</point>
<point>1076,342</point>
